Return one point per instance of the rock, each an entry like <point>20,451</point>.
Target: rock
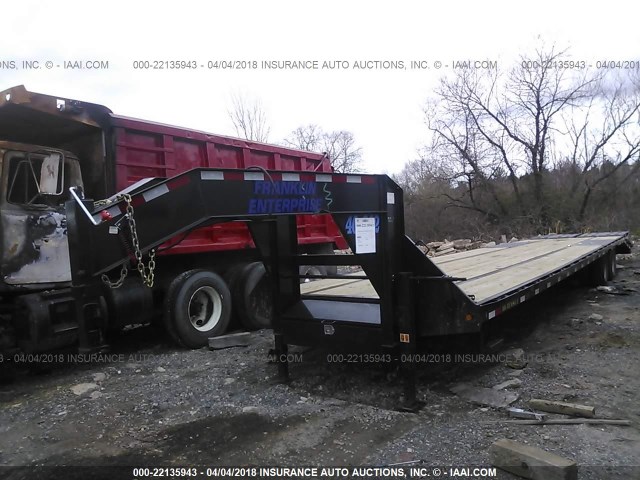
<point>95,395</point>
<point>513,239</point>
<point>484,396</point>
<point>445,246</point>
<point>461,243</point>
<point>160,369</point>
<point>513,383</point>
<point>515,373</point>
<point>595,316</point>
<point>249,409</point>
<point>489,244</point>
<point>229,381</point>
<point>516,359</point>
<point>99,377</point>
<point>444,252</point>
<point>433,245</point>
<point>83,388</point>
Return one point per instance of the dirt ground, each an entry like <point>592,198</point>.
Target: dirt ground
<point>150,404</point>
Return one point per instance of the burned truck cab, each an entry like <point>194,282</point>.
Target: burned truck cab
<point>47,145</point>
<point>35,184</point>
<point>34,253</point>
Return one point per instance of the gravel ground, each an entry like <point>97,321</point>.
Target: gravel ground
<point>152,404</point>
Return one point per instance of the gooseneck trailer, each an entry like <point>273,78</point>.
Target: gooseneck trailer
<point>401,298</point>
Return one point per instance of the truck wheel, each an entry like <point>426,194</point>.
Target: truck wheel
<point>197,307</point>
<point>311,270</point>
<point>327,249</point>
<point>232,276</point>
<point>252,297</point>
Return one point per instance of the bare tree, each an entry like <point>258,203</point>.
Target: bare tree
<point>514,128</point>
<point>249,118</point>
<point>340,146</point>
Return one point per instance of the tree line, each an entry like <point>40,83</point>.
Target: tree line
<point>533,148</point>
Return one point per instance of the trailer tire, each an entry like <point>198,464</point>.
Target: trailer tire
<point>252,297</point>
<point>599,271</point>
<point>613,268</point>
<point>197,307</point>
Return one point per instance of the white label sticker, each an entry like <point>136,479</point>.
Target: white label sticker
<point>365,235</point>
<point>391,198</point>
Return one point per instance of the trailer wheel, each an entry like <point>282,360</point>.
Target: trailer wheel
<point>613,268</point>
<point>197,307</point>
<point>599,271</point>
<point>252,297</point>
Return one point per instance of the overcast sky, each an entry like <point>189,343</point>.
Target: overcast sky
<point>383,108</point>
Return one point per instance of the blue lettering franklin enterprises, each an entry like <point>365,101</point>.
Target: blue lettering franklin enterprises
<point>286,197</point>
<point>284,188</point>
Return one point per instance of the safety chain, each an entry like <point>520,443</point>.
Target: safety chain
<point>146,272</point>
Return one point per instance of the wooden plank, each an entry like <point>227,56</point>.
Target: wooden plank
<point>531,462</point>
<point>572,421</point>
<point>562,407</point>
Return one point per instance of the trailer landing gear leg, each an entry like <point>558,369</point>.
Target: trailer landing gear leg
<point>406,322</point>
<point>281,352</point>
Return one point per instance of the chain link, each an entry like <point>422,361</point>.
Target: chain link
<point>147,273</point>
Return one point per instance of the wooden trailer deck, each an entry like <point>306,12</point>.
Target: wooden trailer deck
<point>490,272</point>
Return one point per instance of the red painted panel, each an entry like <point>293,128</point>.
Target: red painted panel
<point>146,149</point>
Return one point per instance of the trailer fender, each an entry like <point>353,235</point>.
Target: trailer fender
<point>197,307</point>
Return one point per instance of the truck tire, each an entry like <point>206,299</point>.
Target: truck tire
<point>311,270</point>
<point>197,307</point>
<point>327,249</point>
<point>252,297</point>
<point>232,276</point>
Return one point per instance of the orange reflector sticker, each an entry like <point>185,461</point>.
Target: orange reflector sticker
<point>404,337</point>
<point>468,317</point>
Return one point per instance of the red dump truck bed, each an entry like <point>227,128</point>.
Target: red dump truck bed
<point>145,149</point>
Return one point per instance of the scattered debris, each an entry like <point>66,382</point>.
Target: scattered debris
<point>572,421</point>
<point>99,377</point>
<point>611,290</point>
<point>240,339</point>
<point>516,359</point>
<point>95,395</point>
<point>161,369</point>
<point>484,396</point>
<point>513,383</point>
<point>596,317</point>
<point>515,373</point>
<point>82,388</point>
<point>526,414</point>
<point>562,407</point>
<point>531,462</point>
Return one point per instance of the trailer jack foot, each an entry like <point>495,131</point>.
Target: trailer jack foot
<point>410,404</point>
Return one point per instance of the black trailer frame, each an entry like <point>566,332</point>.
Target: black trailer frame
<point>415,297</point>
